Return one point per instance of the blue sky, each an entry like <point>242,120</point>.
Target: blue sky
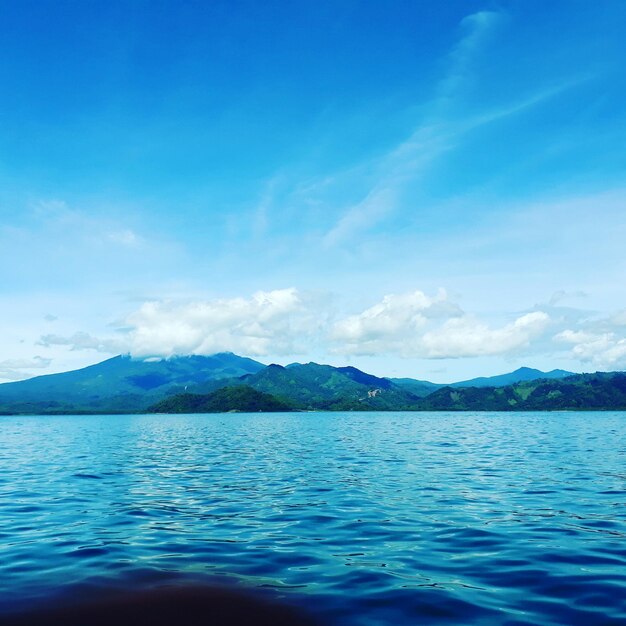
<point>423,189</point>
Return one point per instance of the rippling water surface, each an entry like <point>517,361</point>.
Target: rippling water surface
<point>365,518</point>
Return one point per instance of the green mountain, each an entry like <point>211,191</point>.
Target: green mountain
<point>227,399</point>
<point>120,384</point>
<point>225,382</point>
<point>312,386</point>
<point>600,391</point>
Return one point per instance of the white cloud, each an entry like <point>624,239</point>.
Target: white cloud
<point>270,322</point>
<point>17,369</point>
<point>288,322</point>
<point>416,325</point>
<point>392,318</point>
<point>467,337</point>
<point>598,341</point>
<point>603,350</point>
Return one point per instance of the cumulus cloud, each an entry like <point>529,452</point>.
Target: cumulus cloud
<point>416,325</point>
<point>286,322</point>
<point>290,322</point>
<point>269,322</point>
<point>391,319</point>
<point>467,337</point>
<point>17,369</point>
<point>603,350</point>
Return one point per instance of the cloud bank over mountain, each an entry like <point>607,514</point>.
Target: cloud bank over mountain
<point>410,325</point>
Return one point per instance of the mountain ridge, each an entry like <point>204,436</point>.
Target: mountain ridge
<point>519,375</point>
<point>123,384</point>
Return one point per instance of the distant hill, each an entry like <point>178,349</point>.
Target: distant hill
<point>600,391</point>
<point>120,384</point>
<point>227,399</point>
<point>423,388</point>
<point>518,376</point>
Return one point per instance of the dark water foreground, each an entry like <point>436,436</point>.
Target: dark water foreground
<point>362,519</point>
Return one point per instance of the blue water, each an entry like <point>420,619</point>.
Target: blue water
<point>364,518</point>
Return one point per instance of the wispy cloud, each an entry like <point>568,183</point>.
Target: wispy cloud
<point>477,29</point>
<point>84,341</point>
<point>432,138</point>
<point>124,237</point>
<point>440,132</point>
<point>58,216</point>
<point>364,215</point>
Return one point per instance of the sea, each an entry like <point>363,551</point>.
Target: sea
<point>365,519</point>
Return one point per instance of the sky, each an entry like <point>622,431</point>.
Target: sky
<point>424,189</point>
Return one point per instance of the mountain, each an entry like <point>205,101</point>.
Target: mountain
<point>423,388</point>
<point>227,399</point>
<point>600,391</point>
<point>225,382</point>
<point>518,376</point>
<point>312,386</point>
<point>120,384</point>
